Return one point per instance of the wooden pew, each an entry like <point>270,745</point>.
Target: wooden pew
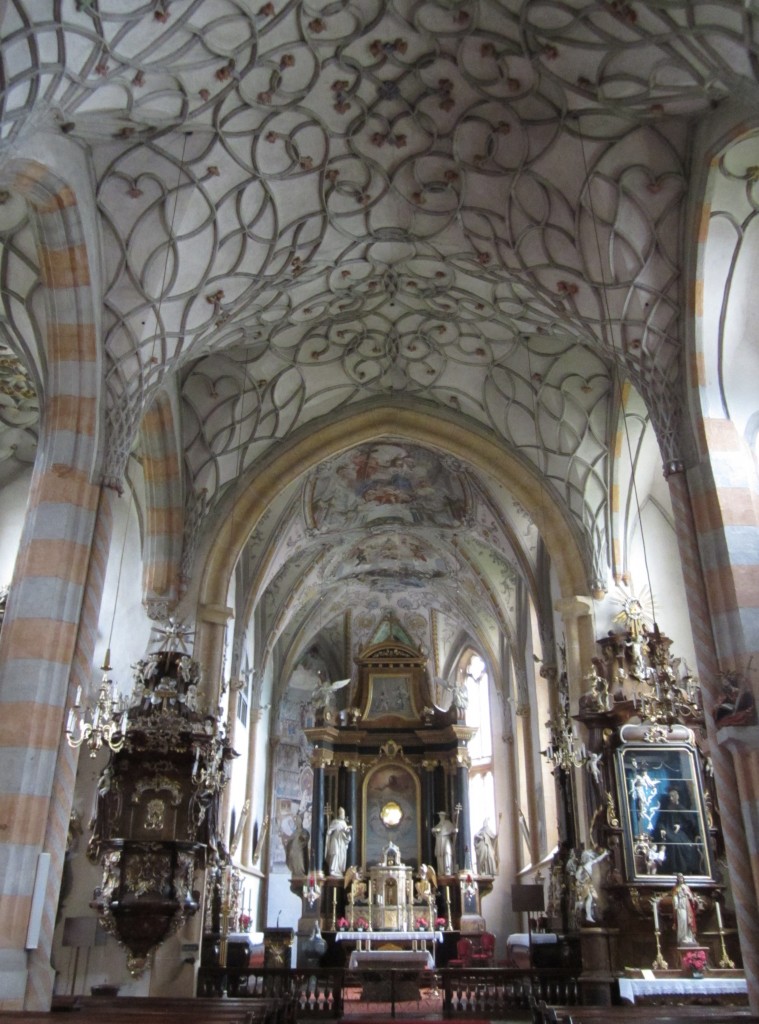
<point>544,1014</point>
<point>134,1009</point>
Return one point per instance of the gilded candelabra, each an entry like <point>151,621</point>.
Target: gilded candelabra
<point>104,724</point>
<point>659,963</point>
<point>563,748</point>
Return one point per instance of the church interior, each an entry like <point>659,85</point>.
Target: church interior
<point>378,492</point>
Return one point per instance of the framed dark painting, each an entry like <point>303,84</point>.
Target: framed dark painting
<point>391,694</point>
<point>663,812</point>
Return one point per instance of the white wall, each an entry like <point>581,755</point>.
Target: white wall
<point>13,499</point>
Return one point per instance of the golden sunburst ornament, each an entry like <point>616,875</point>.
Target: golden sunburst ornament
<point>171,635</point>
<point>636,612</point>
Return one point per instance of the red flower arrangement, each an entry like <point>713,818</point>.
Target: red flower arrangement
<point>440,922</point>
<point>361,923</point>
<point>694,959</point>
<point>421,922</point>
<point>342,923</point>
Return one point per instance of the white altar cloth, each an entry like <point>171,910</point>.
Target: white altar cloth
<point>383,936</point>
<point>518,946</point>
<point>630,988</point>
<point>538,939</point>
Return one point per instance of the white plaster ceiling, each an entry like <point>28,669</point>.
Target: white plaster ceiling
<point>476,206</point>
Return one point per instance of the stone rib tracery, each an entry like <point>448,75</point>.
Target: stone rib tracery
<point>382,202</point>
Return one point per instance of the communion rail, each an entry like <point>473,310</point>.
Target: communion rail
<point>485,993</point>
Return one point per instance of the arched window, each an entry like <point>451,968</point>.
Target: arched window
<point>473,675</point>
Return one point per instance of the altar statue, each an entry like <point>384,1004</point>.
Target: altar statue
<point>684,904</point>
<point>444,833</point>
<point>486,850</point>
<point>336,844</point>
<point>296,847</point>
<point>585,890</point>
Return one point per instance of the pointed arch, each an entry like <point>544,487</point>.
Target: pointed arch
<point>254,495</point>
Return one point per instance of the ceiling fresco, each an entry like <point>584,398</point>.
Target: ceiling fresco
<point>389,532</point>
<point>376,483</point>
<point>469,207</point>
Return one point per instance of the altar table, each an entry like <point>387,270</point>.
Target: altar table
<point>413,959</point>
<point>416,940</point>
<point>631,989</point>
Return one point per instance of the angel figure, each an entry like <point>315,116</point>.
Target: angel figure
<point>355,886</point>
<point>324,693</point>
<point>592,764</point>
<point>426,884</point>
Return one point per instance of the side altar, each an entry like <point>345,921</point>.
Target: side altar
<point>646,885</point>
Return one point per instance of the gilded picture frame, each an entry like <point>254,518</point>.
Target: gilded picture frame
<point>663,813</point>
<point>391,695</point>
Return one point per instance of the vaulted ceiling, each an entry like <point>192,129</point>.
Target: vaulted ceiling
<point>474,206</point>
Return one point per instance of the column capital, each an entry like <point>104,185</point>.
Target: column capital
<point>322,758</point>
<point>216,613</point>
<point>574,607</point>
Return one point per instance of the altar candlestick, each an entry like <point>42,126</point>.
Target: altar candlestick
<point>655,906</point>
<point>719,916</point>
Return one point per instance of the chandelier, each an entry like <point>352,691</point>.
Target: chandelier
<point>102,724</point>
<point>563,749</point>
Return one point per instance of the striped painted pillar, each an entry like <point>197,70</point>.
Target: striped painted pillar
<point>59,812</point>
<point>702,528</point>
<point>164,512</point>
<point>41,630</point>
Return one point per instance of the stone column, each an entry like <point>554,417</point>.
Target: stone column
<point>531,760</point>
<point>254,717</point>
<point>733,750</point>
<point>317,814</point>
<point>351,809</point>
<point>427,817</point>
<point>463,839</point>
<point>580,648</point>
<point>210,658</point>
<point>53,604</point>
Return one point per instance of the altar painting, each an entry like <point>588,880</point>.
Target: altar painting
<point>663,813</point>
<point>391,784</point>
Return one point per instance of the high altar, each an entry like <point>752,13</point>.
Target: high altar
<point>391,805</point>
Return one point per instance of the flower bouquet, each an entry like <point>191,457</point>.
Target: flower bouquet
<point>342,923</point>
<point>694,960</point>
<point>440,923</point>
<point>361,924</point>
<point>421,924</point>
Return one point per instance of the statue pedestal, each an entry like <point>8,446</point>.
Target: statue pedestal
<point>598,948</point>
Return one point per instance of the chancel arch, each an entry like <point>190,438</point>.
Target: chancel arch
<point>253,498</point>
